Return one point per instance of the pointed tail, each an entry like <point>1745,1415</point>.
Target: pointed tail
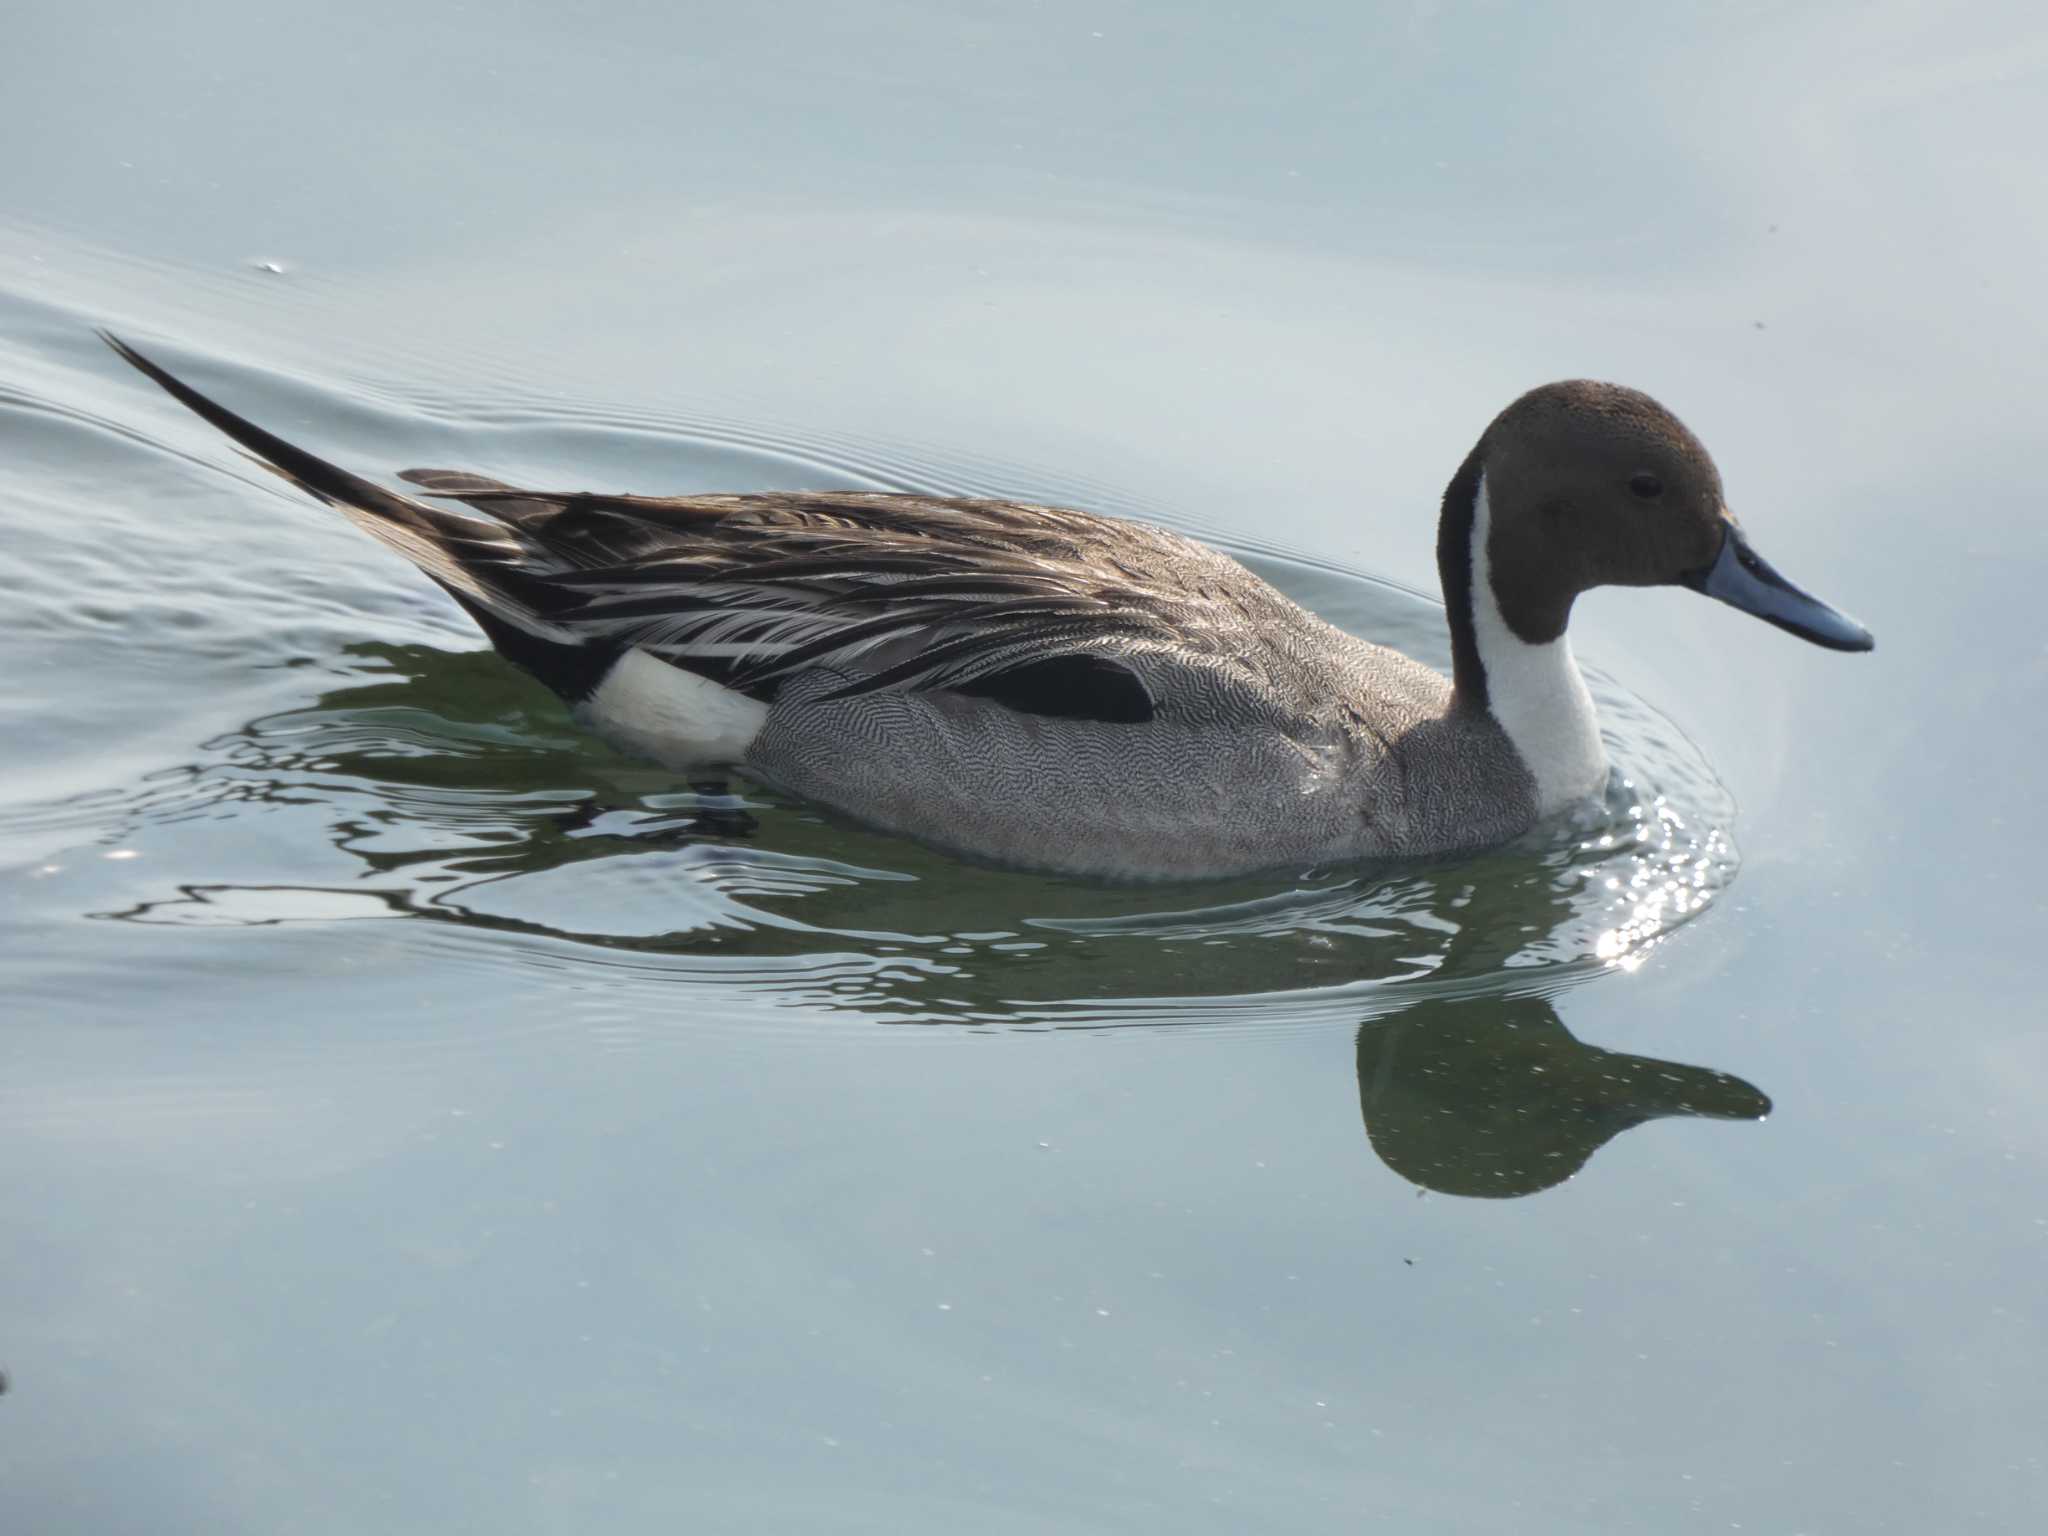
<point>497,575</point>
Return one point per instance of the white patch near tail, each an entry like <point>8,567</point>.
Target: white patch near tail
<point>675,717</point>
<point>1535,691</point>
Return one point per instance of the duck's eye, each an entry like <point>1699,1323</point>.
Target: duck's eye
<point>1647,486</point>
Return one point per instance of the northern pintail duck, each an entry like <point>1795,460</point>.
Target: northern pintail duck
<point>1053,689</point>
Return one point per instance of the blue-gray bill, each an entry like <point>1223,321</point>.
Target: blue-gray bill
<point>1742,578</point>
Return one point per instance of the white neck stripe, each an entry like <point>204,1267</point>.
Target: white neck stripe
<point>1534,691</point>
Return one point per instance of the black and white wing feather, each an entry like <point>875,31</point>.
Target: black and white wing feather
<point>1048,610</point>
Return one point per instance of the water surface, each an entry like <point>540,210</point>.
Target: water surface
<point>419,1116</point>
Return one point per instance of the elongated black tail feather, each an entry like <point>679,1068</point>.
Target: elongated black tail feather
<point>329,482</point>
<point>497,576</point>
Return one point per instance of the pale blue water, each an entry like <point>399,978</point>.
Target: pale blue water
<point>412,1119</point>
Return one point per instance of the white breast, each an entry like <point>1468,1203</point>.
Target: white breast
<point>1534,691</point>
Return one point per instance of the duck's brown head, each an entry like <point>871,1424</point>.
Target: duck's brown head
<point>1588,484</point>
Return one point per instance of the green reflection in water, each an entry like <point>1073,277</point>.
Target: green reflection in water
<point>1493,1097</point>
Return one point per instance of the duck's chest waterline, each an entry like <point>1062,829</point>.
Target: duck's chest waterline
<point>1540,698</point>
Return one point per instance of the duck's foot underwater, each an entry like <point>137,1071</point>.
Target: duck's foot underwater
<point>728,817</point>
<point>723,815</point>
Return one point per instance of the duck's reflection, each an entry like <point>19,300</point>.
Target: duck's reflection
<point>1493,1097</point>
<point>461,796</point>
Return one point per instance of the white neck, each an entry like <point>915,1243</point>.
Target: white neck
<point>1534,691</point>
